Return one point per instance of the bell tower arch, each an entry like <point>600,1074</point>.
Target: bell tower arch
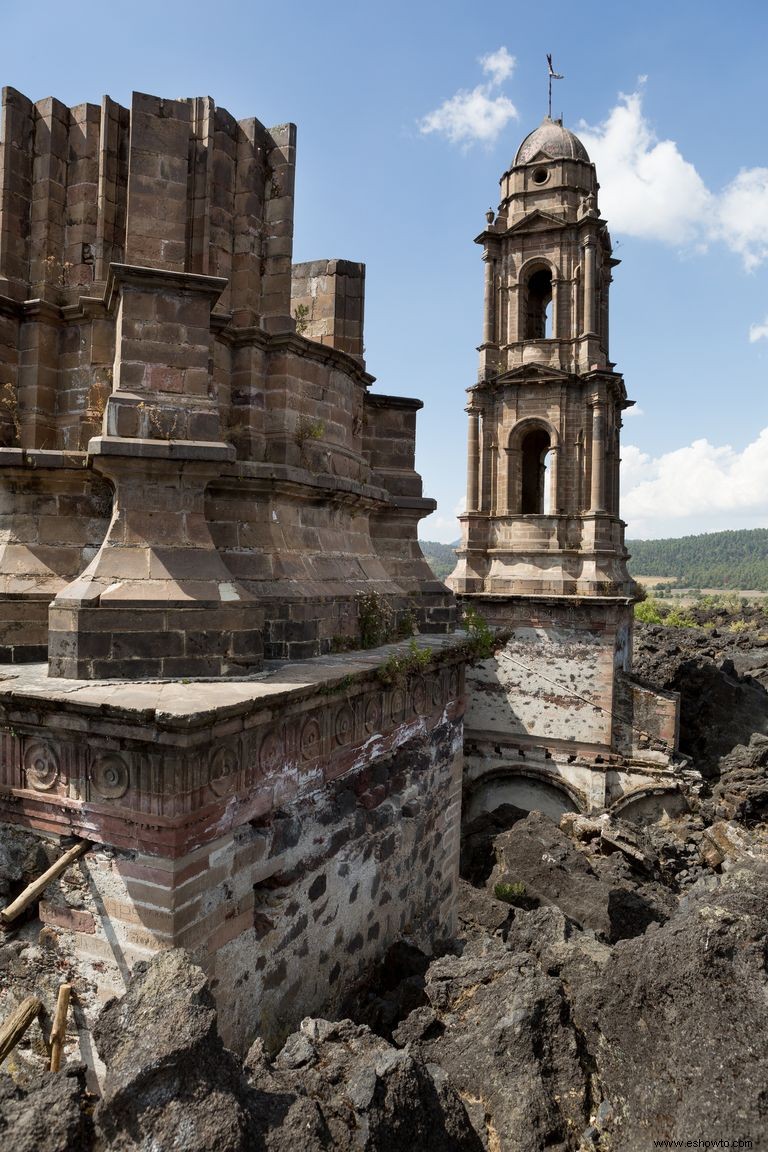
<point>542,552</point>
<point>545,357</point>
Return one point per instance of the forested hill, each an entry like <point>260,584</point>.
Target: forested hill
<point>440,557</point>
<point>714,560</point>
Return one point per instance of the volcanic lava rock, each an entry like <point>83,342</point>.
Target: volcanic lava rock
<point>47,1115</point>
<point>339,1086</point>
<point>676,1025</point>
<point>170,1082</point>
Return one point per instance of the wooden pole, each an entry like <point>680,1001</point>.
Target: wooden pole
<point>59,1030</point>
<point>35,890</point>
<point>15,1027</point>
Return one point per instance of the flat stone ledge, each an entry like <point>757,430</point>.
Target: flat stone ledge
<point>161,449</point>
<point>165,767</point>
<point>181,702</point>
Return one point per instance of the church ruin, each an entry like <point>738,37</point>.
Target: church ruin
<point>210,576</point>
<point>554,721</point>
<point>205,510</point>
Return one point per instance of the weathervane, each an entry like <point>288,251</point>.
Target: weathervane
<point>552,76</point>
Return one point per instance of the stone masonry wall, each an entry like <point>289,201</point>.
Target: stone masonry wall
<point>285,837</point>
<point>148,341</point>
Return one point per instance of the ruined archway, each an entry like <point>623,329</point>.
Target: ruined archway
<point>525,788</point>
<point>649,804</point>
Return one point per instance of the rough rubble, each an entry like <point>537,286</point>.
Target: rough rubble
<point>617,995</point>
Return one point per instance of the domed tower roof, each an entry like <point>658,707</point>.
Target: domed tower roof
<point>554,141</point>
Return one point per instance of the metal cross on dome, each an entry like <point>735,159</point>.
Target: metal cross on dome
<point>552,76</point>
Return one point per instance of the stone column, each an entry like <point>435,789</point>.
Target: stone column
<point>473,461</point>
<point>554,459</point>
<point>489,310</point>
<point>597,497</point>
<point>555,309</point>
<point>513,324</point>
<point>589,286</point>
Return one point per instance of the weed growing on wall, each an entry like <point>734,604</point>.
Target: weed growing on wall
<point>401,665</point>
<point>376,619</point>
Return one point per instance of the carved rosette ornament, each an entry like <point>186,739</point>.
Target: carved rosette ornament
<point>41,766</point>
<point>344,725</point>
<point>109,776</point>
<point>397,705</point>
<point>372,717</point>
<point>419,697</point>
<point>222,771</point>
<point>310,738</point>
<point>271,752</point>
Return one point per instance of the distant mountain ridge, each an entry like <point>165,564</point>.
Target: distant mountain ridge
<point>733,559</point>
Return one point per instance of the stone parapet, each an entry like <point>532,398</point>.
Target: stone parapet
<point>162,767</point>
<point>327,303</point>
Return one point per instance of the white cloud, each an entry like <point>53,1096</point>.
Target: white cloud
<point>698,488</point>
<point>470,117</point>
<point>649,189</point>
<point>635,410</point>
<point>758,331</point>
<point>476,116</point>
<point>499,65</point>
<point>743,216</point>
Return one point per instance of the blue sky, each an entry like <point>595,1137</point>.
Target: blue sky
<point>670,99</point>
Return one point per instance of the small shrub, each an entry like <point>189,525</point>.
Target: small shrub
<point>375,619</point>
<point>401,665</point>
<point>301,316</point>
<point>510,893</point>
<point>407,625</point>
<point>648,611</point>
<point>678,618</point>
<point>343,643</point>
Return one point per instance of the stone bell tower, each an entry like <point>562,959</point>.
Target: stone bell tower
<point>542,549</point>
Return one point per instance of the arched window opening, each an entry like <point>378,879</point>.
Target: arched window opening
<point>538,302</point>
<point>534,448</point>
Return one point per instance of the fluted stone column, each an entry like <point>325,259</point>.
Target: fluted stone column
<point>597,496</point>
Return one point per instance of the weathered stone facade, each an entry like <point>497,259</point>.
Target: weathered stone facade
<point>238,476</point>
<point>198,494</point>
<point>542,551</point>
<point>285,831</point>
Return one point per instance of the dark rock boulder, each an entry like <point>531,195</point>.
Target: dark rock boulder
<point>47,1115</point>
<point>603,894</point>
<point>720,706</point>
<point>500,1029</point>
<point>339,1086</point>
<point>478,837</point>
<point>677,1023</point>
<point>170,1082</point>
<point>742,790</point>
